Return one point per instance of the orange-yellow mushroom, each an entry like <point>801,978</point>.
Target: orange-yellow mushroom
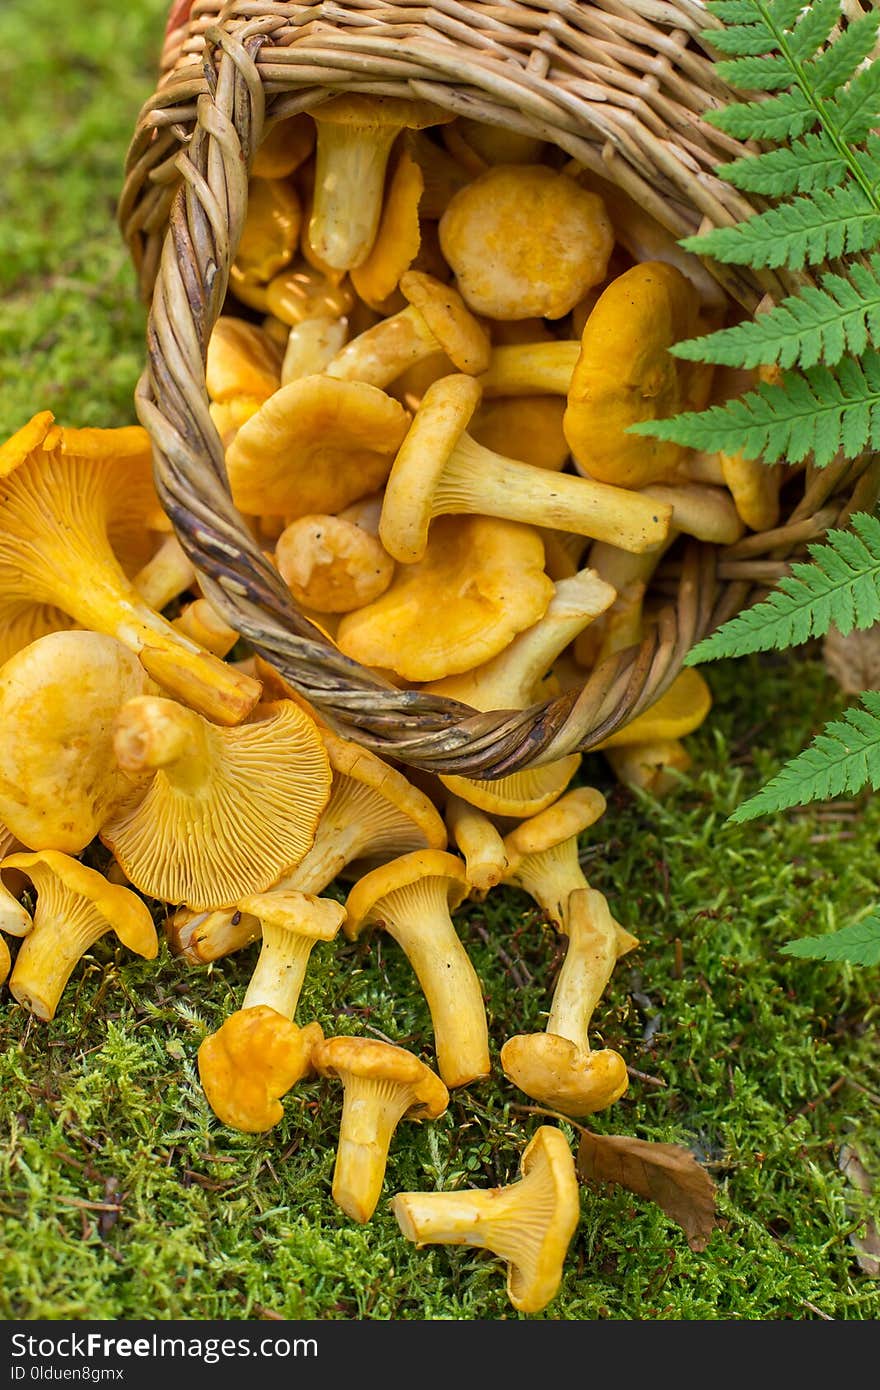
<point>382,1085</point>
<point>398,238</point>
<point>528,1224</point>
<point>271,230</point>
<point>332,565</point>
<point>286,145</point>
<point>250,1064</point>
<point>291,924</point>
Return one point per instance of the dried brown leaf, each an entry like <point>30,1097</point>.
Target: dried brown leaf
<point>867,1243</point>
<point>854,660</point>
<point>666,1173</point>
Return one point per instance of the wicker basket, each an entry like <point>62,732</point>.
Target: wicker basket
<point>621,87</point>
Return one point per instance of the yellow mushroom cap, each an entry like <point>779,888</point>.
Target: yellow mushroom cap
<point>528,1224</point>
<point>557,1073</point>
<point>254,1059</point>
<point>461,336</point>
<point>524,240</point>
<point>285,147</point>
<point>59,697</point>
<point>316,445</point>
<point>524,427</point>
<point>242,361</point>
<point>271,229</point>
<point>332,564</point>
<point>380,1061</point>
<point>75,906</point>
<point>227,810</point>
<point>625,373</point>
<point>364,902</point>
<point>573,813</point>
<point>480,582</point>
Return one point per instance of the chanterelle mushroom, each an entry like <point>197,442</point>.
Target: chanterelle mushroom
<point>291,925</point>
<point>355,135</point>
<point>479,582</point>
<point>479,841</point>
<point>436,319</point>
<point>528,1224</point>
<point>557,1067</point>
<point>59,697</point>
<point>413,898</point>
<point>510,680</point>
<point>251,1062</point>
<point>75,906</point>
<point>242,361</point>
<point>398,238</point>
<point>382,1085</point>
<point>59,490</point>
<point>315,445</point>
<point>271,229</point>
<point>227,810</point>
<point>625,373</point>
<point>331,564</point>
<point>285,146</point>
<point>525,240</point>
<point>374,813</point>
<point>542,852</point>
<point>440,469</point>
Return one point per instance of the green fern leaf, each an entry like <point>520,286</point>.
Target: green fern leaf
<point>858,106</point>
<point>814,162</point>
<point>804,231</point>
<point>749,40</point>
<point>841,760</point>
<point>858,943</point>
<point>779,118</point>
<point>811,31</point>
<point>841,587</point>
<point>816,412</point>
<point>833,67</point>
<point>820,323</point>
<point>769,74</point>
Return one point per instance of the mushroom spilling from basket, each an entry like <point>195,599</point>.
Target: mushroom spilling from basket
<point>436,337</point>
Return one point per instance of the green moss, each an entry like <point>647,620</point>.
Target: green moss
<point>122,1196</point>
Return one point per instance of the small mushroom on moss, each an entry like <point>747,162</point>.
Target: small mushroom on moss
<point>655,766</point>
<point>523,239</point>
<point>60,491</point>
<point>436,319</point>
<point>542,851</point>
<point>626,374</point>
<point>227,811</point>
<point>413,898</point>
<point>250,1064</point>
<point>479,582</point>
<point>382,1085</point>
<point>440,469</point>
<point>314,446</point>
<point>558,1068</point>
<point>331,564</point>
<point>355,136</point>
<point>528,1224</point>
<point>374,813</point>
<point>291,924</point>
<point>75,907</point>
<point>59,697</point>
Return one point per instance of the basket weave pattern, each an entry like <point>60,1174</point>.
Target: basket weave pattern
<point>623,89</point>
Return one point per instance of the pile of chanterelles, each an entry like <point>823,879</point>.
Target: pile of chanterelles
<point>437,335</point>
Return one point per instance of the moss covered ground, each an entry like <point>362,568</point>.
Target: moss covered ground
<point>122,1197</point>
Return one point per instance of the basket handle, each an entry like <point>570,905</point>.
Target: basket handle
<point>425,731</point>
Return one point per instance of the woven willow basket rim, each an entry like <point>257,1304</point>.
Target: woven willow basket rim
<point>623,89</point>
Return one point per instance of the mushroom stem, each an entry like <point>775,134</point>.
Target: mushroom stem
<point>587,967</point>
<point>349,180</point>
<point>280,971</point>
<point>153,733</point>
<point>478,480</point>
<point>480,843</point>
<point>530,369</point>
<point>383,352</point>
<point>166,575</point>
<point>50,953</point>
<point>372,1108</point>
<point>418,919</point>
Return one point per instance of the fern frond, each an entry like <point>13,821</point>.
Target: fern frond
<point>844,758</point>
<point>785,117</point>
<point>840,588</point>
<point>841,315</point>
<point>805,231</point>
<point>818,412</point>
<point>814,162</point>
<point>858,943</point>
